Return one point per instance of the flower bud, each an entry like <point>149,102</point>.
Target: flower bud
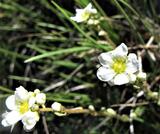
<point>102,33</point>
<point>142,76</point>
<point>124,118</point>
<point>111,112</point>
<point>40,98</point>
<point>133,115</point>
<point>90,22</point>
<point>36,91</point>
<point>57,106</point>
<point>91,107</point>
<point>35,107</point>
<point>153,95</point>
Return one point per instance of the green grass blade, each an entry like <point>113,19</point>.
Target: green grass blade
<point>58,52</point>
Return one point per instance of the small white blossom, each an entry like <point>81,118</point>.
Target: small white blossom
<point>20,105</point>
<point>84,14</point>
<point>118,68</point>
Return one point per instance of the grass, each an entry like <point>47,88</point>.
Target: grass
<point>41,47</point>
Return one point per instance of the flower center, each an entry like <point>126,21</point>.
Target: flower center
<point>119,65</point>
<point>85,15</point>
<point>23,107</point>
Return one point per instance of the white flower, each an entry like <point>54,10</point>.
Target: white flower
<point>84,14</point>
<point>30,119</point>
<point>19,104</point>
<point>40,98</point>
<point>117,67</point>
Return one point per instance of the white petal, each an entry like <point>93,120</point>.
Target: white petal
<point>121,79</point>
<point>105,74</point>
<point>77,19</point>
<point>11,118</point>
<point>105,59</point>
<point>132,64</point>
<point>90,9</point>
<point>29,120</point>
<point>79,11</point>
<point>21,94</point>
<point>89,6</point>
<point>111,82</point>
<point>32,101</point>
<point>132,77</point>
<point>121,50</point>
<point>29,127</point>
<point>10,102</point>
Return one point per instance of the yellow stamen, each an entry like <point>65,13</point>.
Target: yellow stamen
<point>119,65</point>
<point>85,15</point>
<point>23,107</point>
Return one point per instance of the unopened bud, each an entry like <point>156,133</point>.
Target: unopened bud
<point>35,107</point>
<point>103,108</point>
<point>90,22</point>
<point>40,98</point>
<point>111,112</point>
<point>142,76</point>
<point>102,33</point>
<point>133,115</point>
<point>153,95</point>
<point>124,118</point>
<point>57,106</point>
<point>91,107</point>
<point>36,91</point>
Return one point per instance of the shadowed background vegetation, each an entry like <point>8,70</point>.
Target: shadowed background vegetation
<point>40,47</point>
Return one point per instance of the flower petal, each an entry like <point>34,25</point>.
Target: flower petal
<point>32,101</point>
<point>11,118</point>
<point>79,11</point>
<point>121,79</point>
<point>89,9</point>
<point>132,64</point>
<point>132,77</point>
<point>121,50</point>
<point>111,82</point>
<point>89,6</point>
<point>105,74</point>
<point>21,94</point>
<point>10,102</point>
<point>105,59</point>
<point>29,120</point>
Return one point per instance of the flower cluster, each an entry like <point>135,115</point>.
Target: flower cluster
<point>118,67</point>
<point>84,14</point>
<point>24,106</point>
